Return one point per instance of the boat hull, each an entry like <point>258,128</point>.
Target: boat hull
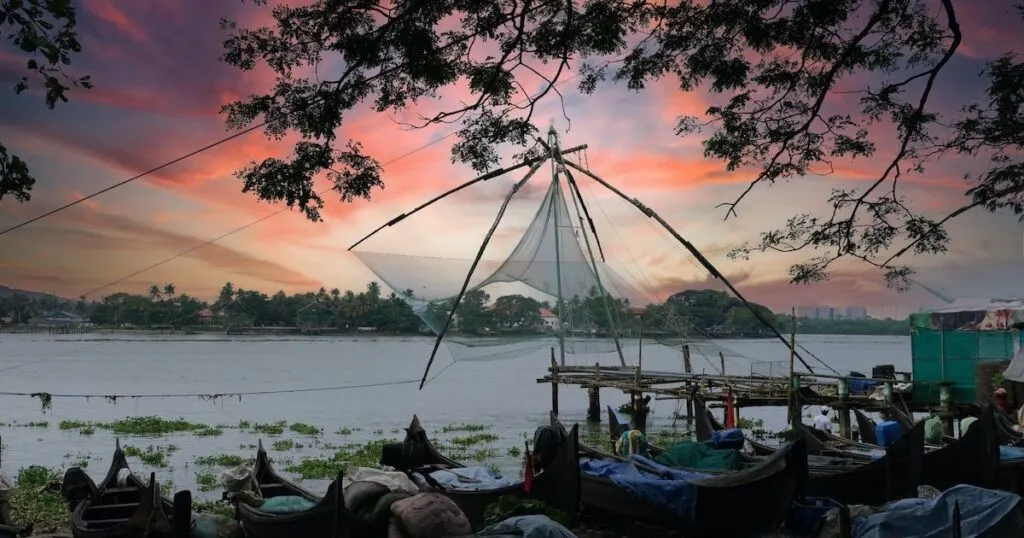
<point>557,486</point>
<point>765,492</point>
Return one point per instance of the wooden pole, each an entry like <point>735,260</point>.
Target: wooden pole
<point>554,383</point>
<point>688,368</point>
<point>721,361</point>
<point>594,397</point>
<point>792,359</point>
<point>182,514</point>
<point>696,253</point>
<point>476,261</point>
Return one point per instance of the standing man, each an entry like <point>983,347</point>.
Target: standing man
<point>822,422</point>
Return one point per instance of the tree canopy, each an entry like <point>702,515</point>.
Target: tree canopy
<point>44,31</point>
<point>777,69</point>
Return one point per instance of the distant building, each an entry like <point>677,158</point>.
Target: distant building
<point>816,312</point>
<point>809,312</point>
<point>856,312</point>
<point>57,318</point>
<point>206,316</point>
<point>549,319</point>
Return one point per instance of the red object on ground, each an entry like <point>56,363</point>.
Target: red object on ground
<point>730,412</point>
<point>527,472</point>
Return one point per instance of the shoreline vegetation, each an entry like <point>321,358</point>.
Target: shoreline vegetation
<point>694,314</point>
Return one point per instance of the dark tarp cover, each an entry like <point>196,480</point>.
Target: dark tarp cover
<point>535,526</point>
<point>700,456</point>
<point>673,490</point>
<point>984,513</point>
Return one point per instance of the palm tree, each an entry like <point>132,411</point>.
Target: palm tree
<point>155,293</point>
<point>169,290</point>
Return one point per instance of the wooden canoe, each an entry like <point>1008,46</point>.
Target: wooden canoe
<point>894,476</point>
<point>972,459</point>
<point>108,510</point>
<point>328,518</point>
<point>765,492</point>
<point>557,484</point>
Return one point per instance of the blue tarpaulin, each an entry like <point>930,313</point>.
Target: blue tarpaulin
<point>984,513</point>
<point>672,490</point>
<point>1011,453</point>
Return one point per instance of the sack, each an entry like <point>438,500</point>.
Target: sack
<point>237,479</point>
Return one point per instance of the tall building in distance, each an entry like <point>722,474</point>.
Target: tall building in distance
<point>856,312</point>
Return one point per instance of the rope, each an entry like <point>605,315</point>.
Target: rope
<point>212,396</point>
<point>217,395</point>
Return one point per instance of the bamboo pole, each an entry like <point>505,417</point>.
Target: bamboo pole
<point>600,286</point>
<point>476,261</point>
<point>697,254</point>
<point>489,175</point>
<point>556,201</point>
<point>793,413</point>
<point>586,213</point>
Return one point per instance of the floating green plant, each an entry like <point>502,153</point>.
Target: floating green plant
<point>209,432</point>
<point>73,424</point>
<point>304,429</point>
<point>346,431</point>
<point>464,428</point>
<point>154,456</point>
<point>350,455</point>
<point>276,428</point>
<point>283,445</point>
<point>473,440</point>
<point>223,460</point>
<point>206,481</point>
<point>218,507</point>
<point>40,424</point>
<point>33,502</point>
<point>151,426</point>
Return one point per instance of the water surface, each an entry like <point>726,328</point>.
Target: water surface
<point>501,394</point>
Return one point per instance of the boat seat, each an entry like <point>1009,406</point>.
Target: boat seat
<point>120,490</point>
<point>273,490</point>
<point>112,506</point>
<point>104,523</point>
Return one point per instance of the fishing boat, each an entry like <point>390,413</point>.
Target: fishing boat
<point>557,483</point>
<point>972,459</point>
<point>895,475</point>
<point>866,427</point>
<point>844,470</point>
<point>112,510</point>
<point>765,492</point>
<point>327,518</point>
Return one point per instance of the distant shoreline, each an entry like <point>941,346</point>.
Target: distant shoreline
<point>294,331</point>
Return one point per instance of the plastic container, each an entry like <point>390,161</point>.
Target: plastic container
<point>804,516</point>
<point>728,439</point>
<point>887,432</point>
<point>884,371</point>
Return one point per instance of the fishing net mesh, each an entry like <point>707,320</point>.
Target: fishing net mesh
<point>511,308</point>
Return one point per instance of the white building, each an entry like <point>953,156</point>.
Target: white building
<point>856,312</point>
<point>549,319</point>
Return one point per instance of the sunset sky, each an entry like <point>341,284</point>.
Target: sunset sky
<point>158,89</point>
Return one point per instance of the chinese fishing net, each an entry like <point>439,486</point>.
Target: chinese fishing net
<point>511,306</point>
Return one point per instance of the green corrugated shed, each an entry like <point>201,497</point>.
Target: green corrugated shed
<point>947,343</point>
